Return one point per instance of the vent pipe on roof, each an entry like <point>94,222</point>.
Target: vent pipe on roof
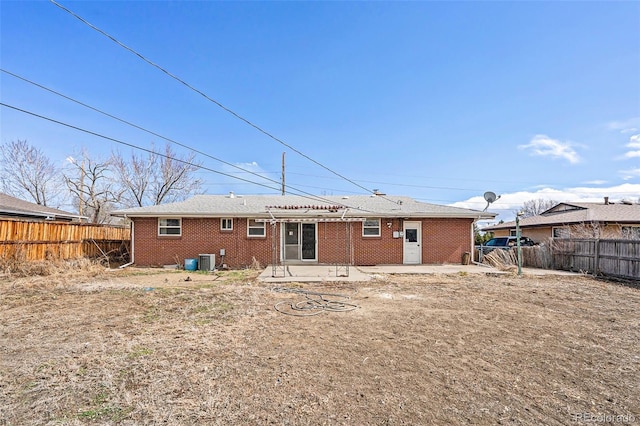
<point>231,194</point>
<point>606,201</point>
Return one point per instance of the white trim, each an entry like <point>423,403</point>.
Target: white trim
<point>283,245</point>
<point>364,226</point>
<point>179,227</point>
<point>133,245</point>
<point>413,225</point>
<point>222,221</point>
<point>250,227</point>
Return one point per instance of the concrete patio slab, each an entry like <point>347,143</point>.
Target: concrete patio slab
<point>321,273</point>
<point>452,269</point>
<point>313,273</point>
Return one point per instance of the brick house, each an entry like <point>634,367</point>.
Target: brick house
<point>276,229</point>
<point>577,220</point>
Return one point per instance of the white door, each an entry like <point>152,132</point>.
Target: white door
<point>412,248</point>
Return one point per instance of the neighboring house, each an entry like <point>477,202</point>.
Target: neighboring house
<point>276,229</point>
<point>577,220</point>
<point>15,208</point>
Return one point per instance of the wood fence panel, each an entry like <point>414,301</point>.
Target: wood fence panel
<point>24,240</point>
<point>620,258</point>
<point>577,255</point>
<point>614,258</point>
<point>537,257</point>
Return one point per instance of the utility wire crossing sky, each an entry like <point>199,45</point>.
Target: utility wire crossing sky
<point>438,101</point>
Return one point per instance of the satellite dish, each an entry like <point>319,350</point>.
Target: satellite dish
<point>490,197</point>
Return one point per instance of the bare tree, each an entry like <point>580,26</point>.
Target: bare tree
<point>160,178</point>
<point>587,230</point>
<point>535,207</point>
<point>97,193</point>
<point>135,176</point>
<point>27,173</point>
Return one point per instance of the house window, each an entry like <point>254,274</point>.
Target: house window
<point>256,229</point>
<point>371,228</point>
<point>561,232</point>
<point>226,224</point>
<point>170,227</point>
<point>631,232</point>
<point>513,233</point>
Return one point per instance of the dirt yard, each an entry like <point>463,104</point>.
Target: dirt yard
<point>148,347</point>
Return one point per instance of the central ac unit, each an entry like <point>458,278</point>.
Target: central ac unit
<point>207,262</point>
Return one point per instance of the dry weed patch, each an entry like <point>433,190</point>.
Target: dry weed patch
<point>148,346</point>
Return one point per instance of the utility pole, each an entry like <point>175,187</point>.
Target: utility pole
<point>283,185</point>
<point>519,249</point>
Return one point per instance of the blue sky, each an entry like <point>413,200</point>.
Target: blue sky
<point>440,101</point>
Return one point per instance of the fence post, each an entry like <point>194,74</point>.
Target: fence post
<point>596,261</point>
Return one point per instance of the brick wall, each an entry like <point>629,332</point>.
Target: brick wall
<point>443,241</point>
<point>199,236</point>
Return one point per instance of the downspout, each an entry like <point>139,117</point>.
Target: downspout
<point>131,233</point>
<point>473,240</point>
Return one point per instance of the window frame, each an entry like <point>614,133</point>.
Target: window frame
<point>631,232</point>
<point>256,225</point>
<point>366,227</point>
<point>166,227</point>
<point>222,224</point>
<point>563,232</point>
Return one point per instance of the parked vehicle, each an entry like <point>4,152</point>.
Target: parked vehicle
<point>504,243</point>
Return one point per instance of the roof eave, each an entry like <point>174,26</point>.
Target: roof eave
<point>414,215</point>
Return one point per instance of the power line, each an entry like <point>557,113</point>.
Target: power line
<point>207,97</point>
<point>301,193</point>
<point>134,125</point>
<point>294,189</point>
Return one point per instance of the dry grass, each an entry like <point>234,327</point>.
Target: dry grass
<point>15,267</point>
<point>150,347</point>
<point>501,259</point>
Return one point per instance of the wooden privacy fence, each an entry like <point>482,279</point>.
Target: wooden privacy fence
<point>615,258</point>
<point>22,240</point>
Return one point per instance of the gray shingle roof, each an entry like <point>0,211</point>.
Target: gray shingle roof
<point>577,213</point>
<point>15,207</point>
<point>280,206</point>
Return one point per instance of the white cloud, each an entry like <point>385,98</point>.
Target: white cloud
<point>634,141</point>
<point>595,182</point>
<point>510,202</point>
<point>629,174</point>
<point>633,146</point>
<point>625,126</point>
<point>543,145</point>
